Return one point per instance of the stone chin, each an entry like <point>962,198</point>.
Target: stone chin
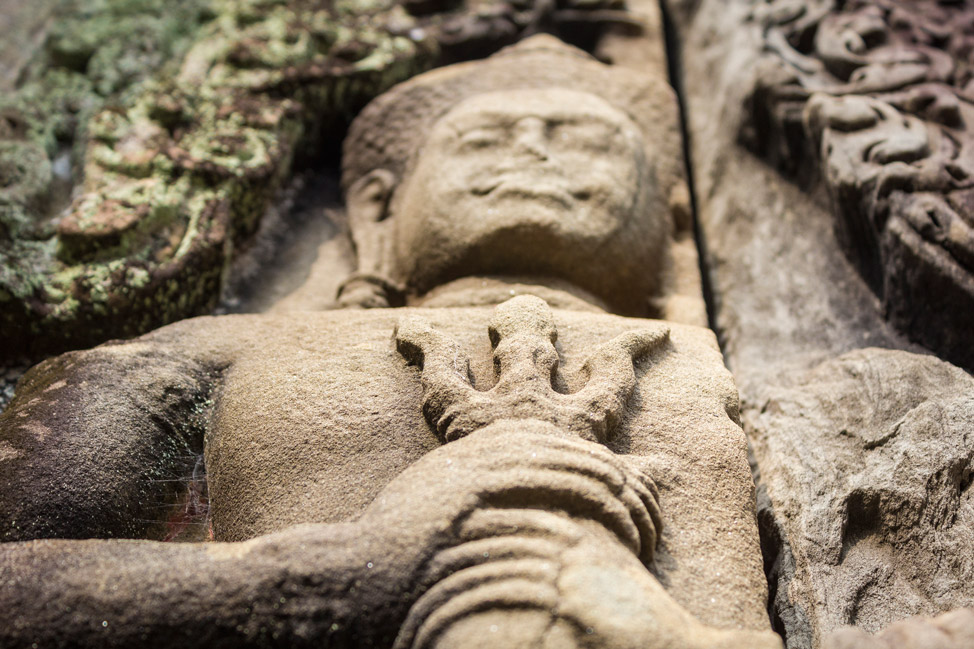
<point>536,240</point>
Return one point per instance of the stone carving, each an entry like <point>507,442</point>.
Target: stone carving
<point>875,99</point>
<point>603,166</point>
<point>143,146</point>
<point>522,335</point>
<point>551,475</point>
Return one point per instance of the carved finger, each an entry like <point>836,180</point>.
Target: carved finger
<point>612,379</point>
<point>650,500</point>
<point>604,472</point>
<point>577,496</point>
<point>520,524</point>
<point>587,463</point>
<point>535,569</point>
<point>441,607</point>
<point>531,525</point>
<point>646,516</point>
<point>515,463</point>
<point>648,494</point>
<point>637,479</point>
<point>497,547</point>
<point>445,368</point>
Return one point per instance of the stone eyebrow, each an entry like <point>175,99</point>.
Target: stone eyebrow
<point>465,123</point>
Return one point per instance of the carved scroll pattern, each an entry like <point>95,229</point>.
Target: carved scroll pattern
<point>875,98</point>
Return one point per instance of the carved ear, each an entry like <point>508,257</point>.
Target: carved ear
<point>367,199</point>
<point>367,202</point>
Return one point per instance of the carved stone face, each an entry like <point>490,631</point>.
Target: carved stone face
<point>550,181</point>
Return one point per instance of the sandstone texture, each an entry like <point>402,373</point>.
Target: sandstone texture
<point>620,170</point>
<point>505,460</point>
<point>948,631</point>
<point>800,307</point>
<point>874,99</point>
<point>489,411</point>
<point>167,155</point>
<point>867,462</point>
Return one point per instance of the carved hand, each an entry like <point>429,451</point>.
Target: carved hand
<point>540,540</point>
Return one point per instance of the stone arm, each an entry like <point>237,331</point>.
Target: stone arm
<point>501,499</point>
<point>95,441</point>
<point>290,589</point>
<point>546,561</point>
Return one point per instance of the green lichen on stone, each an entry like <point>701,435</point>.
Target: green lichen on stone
<point>25,175</point>
<point>116,43</point>
<point>176,123</point>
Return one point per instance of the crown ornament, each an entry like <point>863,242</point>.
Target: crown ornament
<point>523,334</point>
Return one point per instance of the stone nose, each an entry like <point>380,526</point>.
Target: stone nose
<point>530,137</point>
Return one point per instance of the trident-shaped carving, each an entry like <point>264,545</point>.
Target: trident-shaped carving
<point>522,334</point>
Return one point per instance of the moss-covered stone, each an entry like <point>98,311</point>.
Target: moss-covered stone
<point>173,156</point>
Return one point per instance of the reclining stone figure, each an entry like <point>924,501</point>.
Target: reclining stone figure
<point>516,457</point>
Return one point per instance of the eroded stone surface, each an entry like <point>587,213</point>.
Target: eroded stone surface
<point>789,304</point>
<point>784,295</point>
<point>178,167</point>
<point>146,142</point>
<point>355,421</point>
<point>531,130</point>
<point>867,461</point>
<point>952,630</point>
<point>874,99</point>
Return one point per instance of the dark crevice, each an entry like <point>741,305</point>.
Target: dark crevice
<point>773,555</point>
<point>787,619</point>
<point>674,66</point>
<point>180,511</point>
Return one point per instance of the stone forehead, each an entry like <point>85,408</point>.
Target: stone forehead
<point>396,124</point>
